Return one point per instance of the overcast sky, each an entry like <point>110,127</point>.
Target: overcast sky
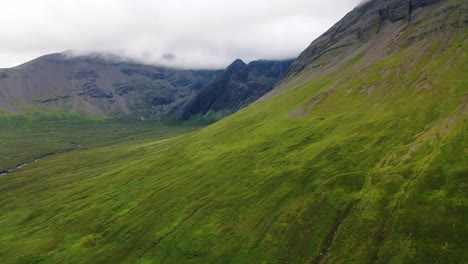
<point>198,33</point>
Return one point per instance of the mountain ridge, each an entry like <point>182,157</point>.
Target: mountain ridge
<point>96,86</point>
<point>110,86</point>
<point>238,86</point>
<point>351,36</point>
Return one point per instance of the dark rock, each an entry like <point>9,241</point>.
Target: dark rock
<point>53,99</point>
<point>238,86</point>
<point>422,3</point>
<point>91,89</point>
<point>151,75</point>
<point>84,74</point>
<point>394,11</point>
<point>122,88</point>
<point>160,101</point>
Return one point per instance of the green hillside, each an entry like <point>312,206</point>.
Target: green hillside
<point>363,162</point>
<point>24,138</point>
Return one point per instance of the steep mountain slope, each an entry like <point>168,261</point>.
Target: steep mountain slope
<point>93,85</point>
<point>377,27</point>
<point>238,86</point>
<point>360,156</point>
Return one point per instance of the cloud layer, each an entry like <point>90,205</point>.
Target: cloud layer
<point>178,33</point>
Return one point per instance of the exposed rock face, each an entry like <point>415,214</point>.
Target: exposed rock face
<point>365,23</point>
<point>238,86</point>
<point>94,86</point>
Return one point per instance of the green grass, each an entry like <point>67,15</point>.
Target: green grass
<point>23,138</point>
<point>362,177</point>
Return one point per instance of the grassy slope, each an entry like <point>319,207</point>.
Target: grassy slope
<point>23,138</point>
<point>361,178</point>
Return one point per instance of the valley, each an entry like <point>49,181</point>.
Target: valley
<point>359,154</point>
<point>27,138</point>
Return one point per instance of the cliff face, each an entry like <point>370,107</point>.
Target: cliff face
<point>238,86</point>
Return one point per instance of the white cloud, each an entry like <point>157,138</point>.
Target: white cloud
<point>200,34</point>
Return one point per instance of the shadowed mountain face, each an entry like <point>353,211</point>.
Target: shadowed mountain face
<point>94,86</point>
<point>238,86</point>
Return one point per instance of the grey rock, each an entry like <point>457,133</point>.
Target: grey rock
<point>238,86</point>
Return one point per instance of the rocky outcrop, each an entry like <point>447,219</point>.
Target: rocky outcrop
<point>238,86</point>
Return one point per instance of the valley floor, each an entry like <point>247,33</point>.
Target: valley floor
<point>24,139</point>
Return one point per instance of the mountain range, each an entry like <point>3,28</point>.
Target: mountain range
<point>95,85</point>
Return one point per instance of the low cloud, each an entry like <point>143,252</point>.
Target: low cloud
<point>176,33</point>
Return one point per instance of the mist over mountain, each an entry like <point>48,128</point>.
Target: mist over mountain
<point>97,85</point>
<point>201,34</point>
<point>108,85</point>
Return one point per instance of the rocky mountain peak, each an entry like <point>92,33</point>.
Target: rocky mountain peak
<point>238,86</point>
<point>237,65</point>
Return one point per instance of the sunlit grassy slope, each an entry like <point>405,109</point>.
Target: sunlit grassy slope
<point>365,165</point>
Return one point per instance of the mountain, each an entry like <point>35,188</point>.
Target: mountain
<point>96,85</point>
<point>238,86</point>
<point>377,27</point>
<point>358,156</point>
